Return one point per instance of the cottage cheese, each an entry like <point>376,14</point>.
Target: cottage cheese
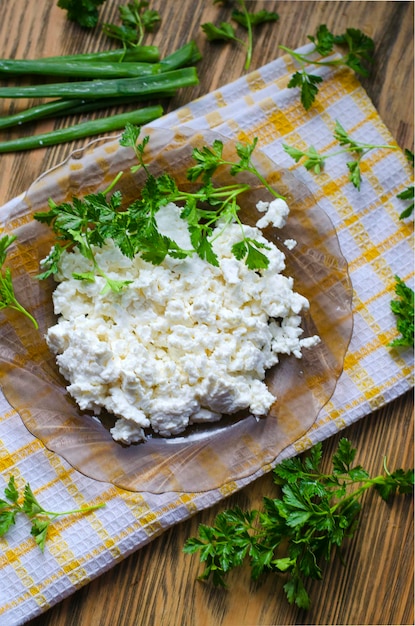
<point>185,342</point>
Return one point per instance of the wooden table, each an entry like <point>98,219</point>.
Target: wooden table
<point>157,585</point>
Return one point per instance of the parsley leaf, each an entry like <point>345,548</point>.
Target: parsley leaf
<point>297,532</point>
<point>400,481</point>
<point>84,12</point>
<point>255,19</point>
<point>39,517</point>
<point>345,139</point>
<point>358,56</point>
<point>129,138</point>
<point>410,156</point>
<point>403,309</point>
<point>223,32</point>
<point>408,193</point>
<point>248,20</point>
<point>10,491</point>
<point>203,246</point>
<point>207,162</point>
<point>39,531</point>
<point>8,510</point>
<point>7,295</point>
<point>308,86</point>
<point>249,249</point>
<point>323,40</point>
<point>355,175</point>
<point>343,457</point>
<point>51,261</point>
<point>360,49</point>
<point>312,159</point>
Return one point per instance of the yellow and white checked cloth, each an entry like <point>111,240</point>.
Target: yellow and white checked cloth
<point>376,244</point>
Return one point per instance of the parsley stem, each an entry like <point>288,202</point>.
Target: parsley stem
<point>7,294</point>
<point>253,170</point>
<point>249,45</point>
<point>365,148</point>
<point>54,514</point>
<point>18,307</point>
<point>304,59</point>
<point>224,227</point>
<point>355,494</point>
<point>295,55</point>
<point>139,25</point>
<point>113,183</point>
<point>227,192</point>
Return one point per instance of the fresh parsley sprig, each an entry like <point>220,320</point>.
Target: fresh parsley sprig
<point>248,20</point>
<point>29,505</point>
<point>358,56</point>
<point>87,223</point>
<point>297,532</point>
<point>222,201</point>
<point>314,160</point>
<point>84,223</point>
<point>136,20</point>
<point>403,309</point>
<point>7,295</point>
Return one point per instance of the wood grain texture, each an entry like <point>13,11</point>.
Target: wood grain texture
<point>157,585</point>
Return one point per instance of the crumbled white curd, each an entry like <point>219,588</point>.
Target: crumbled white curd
<point>185,341</point>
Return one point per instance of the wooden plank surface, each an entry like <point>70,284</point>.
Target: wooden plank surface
<point>157,586</point>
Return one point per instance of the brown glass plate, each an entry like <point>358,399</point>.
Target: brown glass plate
<point>206,456</point>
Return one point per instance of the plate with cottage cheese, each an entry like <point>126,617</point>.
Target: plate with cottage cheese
<point>190,326</point>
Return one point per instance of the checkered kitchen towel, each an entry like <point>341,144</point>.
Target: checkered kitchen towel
<point>376,244</point>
